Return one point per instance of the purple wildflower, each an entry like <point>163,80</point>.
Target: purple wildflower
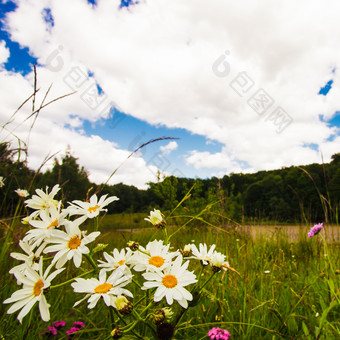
<point>71,332</point>
<point>219,334</point>
<point>59,324</point>
<point>50,331</point>
<point>78,324</point>
<point>315,230</point>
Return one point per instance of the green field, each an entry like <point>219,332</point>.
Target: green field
<point>284,289</point>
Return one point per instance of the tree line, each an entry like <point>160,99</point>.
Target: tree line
<point>295,194</point>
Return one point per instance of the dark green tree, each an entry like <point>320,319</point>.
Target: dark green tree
<point>72,178</point>
<point>166,190</point>
<point>16,175</point>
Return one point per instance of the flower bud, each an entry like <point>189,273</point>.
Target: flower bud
<point>217,262</point>
<point>186,250</point>
<point>116,333</point>
<point>167,312</point>
<point>123,305</point>
<point>162,314</point>
<point>99,247</point>
<point>156,218</point>
<point>133,245</point>
<point>158,318</point>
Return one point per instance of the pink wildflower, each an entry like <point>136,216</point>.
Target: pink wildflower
<point>315,230</point>
<point>71,332</point>
<point>50,331</point>
<point>219,334</point>
<point>59,324</point>
<point>78,324</point>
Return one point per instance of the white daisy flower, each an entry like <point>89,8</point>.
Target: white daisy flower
<point>202,254</point>
<point>119,259</point>
<point>157,257</point>
<point>92,208</point>
<point>34,284</point>
<point>27,259</point>
<point>43,200</point>
<point>217,260</point>
<point>107,288</point>
<point>156,218</point>
<point>49,220</point>
<point>171,282</point>
<point>22,192</point>
<point>69,244</point>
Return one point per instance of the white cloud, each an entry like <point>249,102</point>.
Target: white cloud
<point>219,160</point>
<point>49,136</point>
<point>4,52</point>
<point>167,149</point>
<point>155,62</point>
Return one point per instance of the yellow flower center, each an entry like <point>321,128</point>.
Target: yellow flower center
<point>169,281</point>
<point>38,287</point>
<point>53,224</point>
<point>22,194</point>
<point>121,262</point>
<point>156,261</point>
<point>103,288</point>
<point>74,242</point>
<point>93,209</point>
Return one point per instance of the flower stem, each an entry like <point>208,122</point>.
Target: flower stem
<point>199,277</point>
<point>66,282</point>
<point>112,317</point>
<point>147,307</point>
<point>136,283</point>
<point>206,282</point>
<point>139,319</point>
<point>91,261</point>
<point>191,219</point>
<point>165,233</point>
<point>118,314</point>
<point>96,225</point>
<point>179,317</point>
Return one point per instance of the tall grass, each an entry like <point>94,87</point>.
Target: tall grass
<point>282,291</point>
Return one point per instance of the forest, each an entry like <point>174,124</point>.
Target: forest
<point>295,194</point>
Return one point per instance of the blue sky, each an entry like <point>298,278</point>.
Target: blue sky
<point>130,133</point>
<point>163,75</point>
<point>20,60</point>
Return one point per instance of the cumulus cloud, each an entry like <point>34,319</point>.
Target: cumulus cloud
<point>167,149</point>
<point>202,66</point>
<point>4,52</point>
<point>53,131</point>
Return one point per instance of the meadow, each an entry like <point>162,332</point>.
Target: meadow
<point>276,288</point>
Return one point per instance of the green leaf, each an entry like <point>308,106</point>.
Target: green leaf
<point>305,328</point>
<point>331,286</point>
<point>99,247</point>
<point>324,316</point>
<point>292,325</point>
